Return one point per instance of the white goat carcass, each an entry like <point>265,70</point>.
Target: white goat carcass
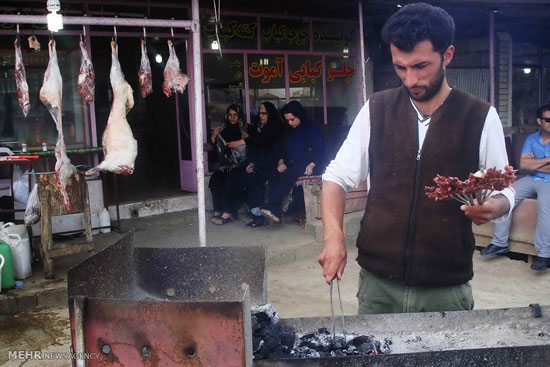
<point>119,145</point>
<point>51,95</point>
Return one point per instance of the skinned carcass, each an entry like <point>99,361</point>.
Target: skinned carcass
<point>174,79</point>
<point>21,80</point>
<point>119,145</point>
<point>51,96</point>
<point>144,73</point>
<point>86,76</point>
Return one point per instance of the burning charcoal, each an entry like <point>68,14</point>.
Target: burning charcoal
<point>272,340</point>
<point>338,353</point>
<point>266,312</point>
<point>264,351</point>
<point>278,353</point>
<point>366,348</point>
<point>256,344</point>
<point>323,330</point>
<point>255,324</point>
<point>338,345</point>
<point>361,339</point>
<point>287,339</point>
<point>324,354</point>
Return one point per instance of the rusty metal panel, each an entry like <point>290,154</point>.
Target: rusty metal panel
<point>148,333</point>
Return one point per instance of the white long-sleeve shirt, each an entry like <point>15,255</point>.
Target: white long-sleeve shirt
<point>350,167</point>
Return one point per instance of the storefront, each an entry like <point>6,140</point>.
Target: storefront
<point>278,59</point>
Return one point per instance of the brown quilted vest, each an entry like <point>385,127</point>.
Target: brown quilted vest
<point>404,235</point>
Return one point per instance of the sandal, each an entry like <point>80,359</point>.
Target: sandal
<point>215,216</point>
<point>221,221</point>
<point>270,215</point>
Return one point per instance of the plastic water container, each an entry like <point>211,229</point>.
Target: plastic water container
<point>16,236</point>
<point>105,221</point>
<point>7,281</point>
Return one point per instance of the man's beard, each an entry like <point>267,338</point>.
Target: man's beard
<point>431,90</point>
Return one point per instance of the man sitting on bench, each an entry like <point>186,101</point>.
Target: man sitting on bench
<point>535,157</point>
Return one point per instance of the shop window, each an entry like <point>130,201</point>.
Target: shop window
<point>525,95</point>
<point>223,85</point>
<point>236,32</point>
<point>39,126</point>
<point>334,37</point>
<point>341,76</point>
<point>306,84</point>
<point>281,34</point>
<point>266,80</point>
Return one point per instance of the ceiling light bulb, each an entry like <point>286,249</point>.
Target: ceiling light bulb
<point>527,71</point>
<point>55,21</point>
<point>215,45</point>
<point>158,58</point>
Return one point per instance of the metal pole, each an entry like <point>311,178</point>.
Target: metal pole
<point>197,96</point>
<point>130,22</point>
<point>362,54</point>
<point>492,56</point>
<point>80,342</point>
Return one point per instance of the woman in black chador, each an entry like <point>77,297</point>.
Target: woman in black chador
<point>264,147</point>
<point>302,153</point>
<point>226,180</point>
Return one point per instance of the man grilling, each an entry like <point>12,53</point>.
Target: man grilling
<point>415,254</point>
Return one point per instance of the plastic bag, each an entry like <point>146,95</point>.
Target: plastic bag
<point>21,185</point>
<point>32,212</point>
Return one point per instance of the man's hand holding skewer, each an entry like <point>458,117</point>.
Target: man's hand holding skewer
<point>493,207</point>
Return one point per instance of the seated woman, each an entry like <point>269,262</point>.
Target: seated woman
<point>225,183</point>
<point>303,153</point>
<point>263,142</point>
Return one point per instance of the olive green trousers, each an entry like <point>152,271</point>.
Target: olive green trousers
<point>378,295</point>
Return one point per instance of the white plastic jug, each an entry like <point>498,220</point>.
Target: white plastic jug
<point>105,221</point>
<point>21,253</point>
<point>95,223</point>
<point>1,266</point>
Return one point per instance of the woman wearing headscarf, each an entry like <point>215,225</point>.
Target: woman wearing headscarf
<point>225,183</point>
<point>263,147</point>
<point>303,153</point>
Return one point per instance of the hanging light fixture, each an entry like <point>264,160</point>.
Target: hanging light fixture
<point>55,23</point>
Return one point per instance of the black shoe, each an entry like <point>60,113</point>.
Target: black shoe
<point>541,263</point>
<point>494,250</point>
<point>257,222</point>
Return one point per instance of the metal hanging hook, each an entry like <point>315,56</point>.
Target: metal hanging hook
<point>115,36</point>
<point>144,33</point>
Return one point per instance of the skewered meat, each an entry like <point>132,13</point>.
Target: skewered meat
<point>51,96</point>
<point>86,76</point>
<point>21,80</point>
<point>119,145</point>
<point>145,76</point>
<point>33,43</point>
<point>174,79</point>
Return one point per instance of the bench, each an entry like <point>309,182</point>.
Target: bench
<point>522,231</point>
<point>524,216</point>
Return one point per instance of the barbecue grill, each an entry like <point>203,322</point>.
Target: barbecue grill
<point>191,307</point>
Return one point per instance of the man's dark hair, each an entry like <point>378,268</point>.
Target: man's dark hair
<point>419,22</point>
<point>542,109</point>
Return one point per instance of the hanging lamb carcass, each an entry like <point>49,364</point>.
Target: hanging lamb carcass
<point>119,145</point>
<point>86,76</point>
<point>144,73</point>
<point>51,96</point>
<point>174,79</point>
<point>21,79</point>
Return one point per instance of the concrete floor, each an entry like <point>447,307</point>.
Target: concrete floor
<point>296,289</point>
